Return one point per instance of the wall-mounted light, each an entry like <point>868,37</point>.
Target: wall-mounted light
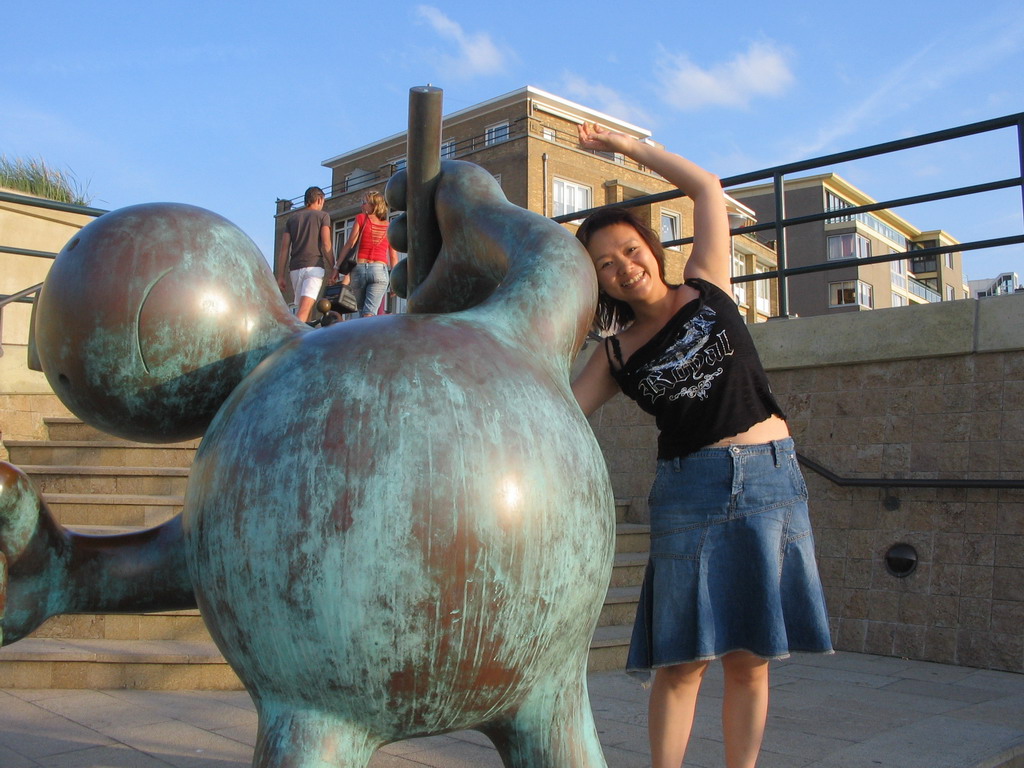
<point>901,560</point>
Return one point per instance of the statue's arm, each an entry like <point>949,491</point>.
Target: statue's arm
<point>48,569</point>
<point>527,266</point>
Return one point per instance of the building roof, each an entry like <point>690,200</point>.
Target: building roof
<point>1004,282</point>
<point>548,102</point>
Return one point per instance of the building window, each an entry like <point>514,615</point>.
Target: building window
<point>611,157</point>
<point>899,273</point>
<point>739,290</point>
<point>764,293</point>
<point>851,292</point>
<point>342,229</point>
<point>570,197</point>
<point>495,134</point>
<point>448,149</point>
<point>849,246</point>
<point>921,265</point>
<point>949,259</point>
<point>669,226</point>
<point>899,300</point>
<point>548,134</point>
<point>358,179</point>
<point>950,292</point>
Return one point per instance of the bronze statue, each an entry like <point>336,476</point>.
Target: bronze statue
<point>394,527</point>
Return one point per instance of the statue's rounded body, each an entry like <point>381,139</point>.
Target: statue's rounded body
<point>371,534</point>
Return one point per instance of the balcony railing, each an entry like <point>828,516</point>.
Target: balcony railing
<point>923,291</point>
<point>459,150</point>
<point>450,150</point>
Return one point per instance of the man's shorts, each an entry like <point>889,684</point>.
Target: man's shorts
<point>307,282</point>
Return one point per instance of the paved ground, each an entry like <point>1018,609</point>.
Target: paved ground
<point>843,711</point>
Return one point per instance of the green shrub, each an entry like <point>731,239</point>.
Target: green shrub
<point>35,177</point>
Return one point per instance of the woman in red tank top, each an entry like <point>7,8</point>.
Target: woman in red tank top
<point>370,277</point>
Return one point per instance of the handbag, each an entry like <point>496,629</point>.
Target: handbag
<point>342,298</point>
<point>348,261</point>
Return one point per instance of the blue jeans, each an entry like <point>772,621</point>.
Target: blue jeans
<point>370,282</point>
<point>732,560</point>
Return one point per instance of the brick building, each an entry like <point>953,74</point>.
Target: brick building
<point>528,140</point>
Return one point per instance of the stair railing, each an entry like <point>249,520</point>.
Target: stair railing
<point>28,295</point>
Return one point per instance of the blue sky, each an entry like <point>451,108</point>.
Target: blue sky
<point>231,105</point>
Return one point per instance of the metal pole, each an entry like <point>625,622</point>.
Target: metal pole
<point>423,169</point>
<point>780,245</point>
<point>1020,158</point>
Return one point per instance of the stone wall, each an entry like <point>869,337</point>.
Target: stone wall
<point>928,392</point>
<point>25,395</point>
<point>21,417</point>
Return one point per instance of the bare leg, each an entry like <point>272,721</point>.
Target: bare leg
<point>670,711</point>
<point>744,707</point>
<point>305,308</point>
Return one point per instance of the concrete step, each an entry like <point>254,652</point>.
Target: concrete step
<point>628,569</point>
<point>619,606</point>
<point>165,665</point>
<point>106,481</point>
<point>162,665</point>
<point>179,626</point>
<point>71,428</point>
<point>632,537</point>
<point>609,648</point>
<point>123,510</point>
<point>621,508</point>
<point>106,453</point>
<point>188,626</point>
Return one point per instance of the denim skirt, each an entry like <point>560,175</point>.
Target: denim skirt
<point>732,560</point>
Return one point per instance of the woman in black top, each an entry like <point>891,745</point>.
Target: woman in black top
<point>732,572</point>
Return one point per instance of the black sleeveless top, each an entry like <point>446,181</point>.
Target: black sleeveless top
<point>699,376</point>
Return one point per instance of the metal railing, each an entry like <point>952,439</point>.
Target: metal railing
<point>457,150</point>
<point>923,291</point>
<point>28,295</point>
<point>450,150</point>
<point>907,482</point>
<point>778,174</point>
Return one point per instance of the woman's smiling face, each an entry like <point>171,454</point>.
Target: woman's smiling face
<point>626,268</point>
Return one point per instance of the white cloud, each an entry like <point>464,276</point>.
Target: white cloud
<point>473,54</point>
<point>603,99</point>
<point>762,70</point>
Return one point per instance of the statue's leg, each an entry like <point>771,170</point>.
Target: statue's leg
<point>554,728</point>
<point>304,738</point>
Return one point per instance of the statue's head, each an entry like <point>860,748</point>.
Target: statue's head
<point>151,315</point>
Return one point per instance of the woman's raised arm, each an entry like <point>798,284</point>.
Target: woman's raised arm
<point>710,257</point>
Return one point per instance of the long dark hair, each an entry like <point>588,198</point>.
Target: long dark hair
<point>613,315</point>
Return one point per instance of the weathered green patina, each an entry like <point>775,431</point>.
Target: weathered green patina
<point>393,527</point>
<point>172,307</point>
